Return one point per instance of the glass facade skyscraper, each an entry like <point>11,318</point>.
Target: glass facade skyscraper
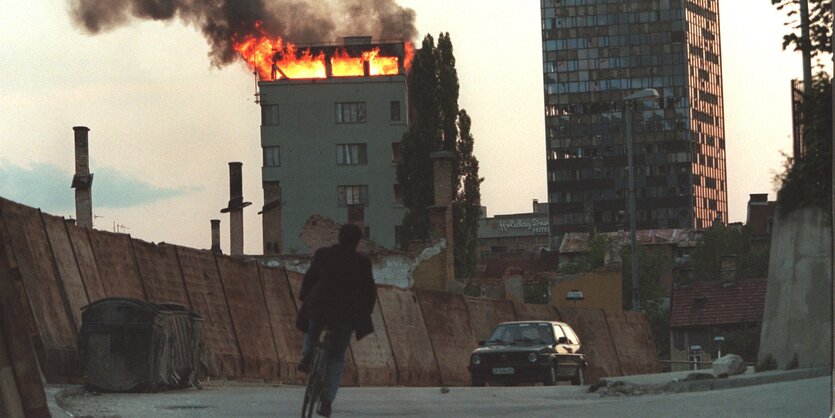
<point>595,53</point>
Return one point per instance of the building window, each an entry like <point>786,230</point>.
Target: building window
<point>395,152</point>
<point>398,234</point>
<point>398,194</point>
<point>350,112</point>
<point>395,110</point>
<point>269,115</point>
<point>352,195</point>
<point>351,154</point>
<point>271,247</point>
<point>272,156</point>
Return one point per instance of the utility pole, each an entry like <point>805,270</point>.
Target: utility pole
<point>806,47</point>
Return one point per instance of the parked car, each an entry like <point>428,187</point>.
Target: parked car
<point>528,352</point>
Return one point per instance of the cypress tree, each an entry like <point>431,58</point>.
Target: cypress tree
<point>438,124</point>
<point>467,204</point>
<point>414,170</point>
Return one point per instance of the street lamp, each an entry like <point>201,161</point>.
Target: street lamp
<point>643,95</point>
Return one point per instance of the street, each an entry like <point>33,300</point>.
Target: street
<point>801,398</point>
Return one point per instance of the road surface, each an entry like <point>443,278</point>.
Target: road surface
<point>801,398</point>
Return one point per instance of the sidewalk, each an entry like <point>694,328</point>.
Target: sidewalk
<point>705,380</point>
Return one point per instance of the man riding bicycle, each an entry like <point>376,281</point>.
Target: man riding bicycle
<point>338,292</point>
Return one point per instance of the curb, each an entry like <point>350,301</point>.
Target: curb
<point>721,383</point>
<point>57,402</point>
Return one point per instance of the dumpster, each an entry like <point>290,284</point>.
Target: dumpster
<point>133,345</point>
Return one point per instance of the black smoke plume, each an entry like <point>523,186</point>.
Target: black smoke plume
<point>222,21</point>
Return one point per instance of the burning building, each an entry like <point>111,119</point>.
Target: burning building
<point>332,117</point>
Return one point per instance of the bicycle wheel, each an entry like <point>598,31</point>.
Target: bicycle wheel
<point>315,382</point>
<point>311,390</point>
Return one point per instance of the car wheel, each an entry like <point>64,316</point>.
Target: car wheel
<point>577,379</point>
<point>477,382</point>
<point>550,378</point>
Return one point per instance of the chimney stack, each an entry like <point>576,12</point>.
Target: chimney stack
<point>440,214</point>
<point>216,237</point>
<point>728,269</point>
<point>82,181</point>
<point>235,209</point>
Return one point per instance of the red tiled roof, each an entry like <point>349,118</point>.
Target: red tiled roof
<point>706,303</point>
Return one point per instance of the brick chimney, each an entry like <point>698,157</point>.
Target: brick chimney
<point>440,214</point>
<point>82,181</point>
<point>727,272</point>
<point>235,209</point>
<point>216,236</point>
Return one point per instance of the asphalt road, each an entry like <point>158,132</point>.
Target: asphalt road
<point>802,398</point>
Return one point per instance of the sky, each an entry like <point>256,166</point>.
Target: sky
<point>164,123</point>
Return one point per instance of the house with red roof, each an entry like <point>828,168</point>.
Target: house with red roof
<point>708,316</point>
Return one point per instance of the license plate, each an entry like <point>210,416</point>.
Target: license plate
<point>503,370</point>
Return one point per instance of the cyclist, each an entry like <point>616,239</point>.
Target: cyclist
<point>338,291</point>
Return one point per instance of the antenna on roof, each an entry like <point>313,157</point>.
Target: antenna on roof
<point>257,93</point>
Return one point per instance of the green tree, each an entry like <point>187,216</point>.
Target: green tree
<point>650,266</point>
<point>438,124</point>
<point>820,24</point>
<point>467,206</point>
<point>719,241</point>
<point>414,170</point>
<point>807,181</point>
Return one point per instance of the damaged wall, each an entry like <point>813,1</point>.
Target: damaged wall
<point>422,337</point>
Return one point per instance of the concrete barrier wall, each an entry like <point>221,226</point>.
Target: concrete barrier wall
<point>450,332</point>
<point>116,265</point>
<point>208,299</point>
<point>68,272</point>
<point>590,325</point>
<point>634,346</point>
<point>49,317</point>
<point>409,338</point>
<point>160,272</point>
<point>242,287</point>
<point>534,312</point>
<point>282,310</point>
<point>422,337</point>
<point>86,261</point>
<point>798,312</point>
<point>484,314</point>
<point>373,355</point>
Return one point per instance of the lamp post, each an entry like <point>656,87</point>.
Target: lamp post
<point>645,94</point>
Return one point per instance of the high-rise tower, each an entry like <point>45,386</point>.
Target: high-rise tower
<point>595,53</point>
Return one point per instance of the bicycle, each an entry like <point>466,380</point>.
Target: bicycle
<point>316,376</point>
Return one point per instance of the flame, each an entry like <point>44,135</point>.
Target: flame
<point>273,58</point>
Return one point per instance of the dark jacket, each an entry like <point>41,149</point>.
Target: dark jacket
<point>338,290</point>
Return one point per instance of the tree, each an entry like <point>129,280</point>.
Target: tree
<point>807,181</point>
<point>820,24</point>
<point>414,170</point>
<point>467,206</point>
<point>719,241</point>
<point>438,124</point>
<point>650,266</point>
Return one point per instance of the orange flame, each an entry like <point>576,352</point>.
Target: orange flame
<point>273,58</point>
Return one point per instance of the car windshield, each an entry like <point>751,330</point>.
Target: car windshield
<point>521,334</point>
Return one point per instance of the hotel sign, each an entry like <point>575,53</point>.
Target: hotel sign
<point>535,225</point>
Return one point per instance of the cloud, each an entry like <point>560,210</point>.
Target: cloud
<point>47,187</point>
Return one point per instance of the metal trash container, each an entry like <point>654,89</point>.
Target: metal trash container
<point>134,345</point>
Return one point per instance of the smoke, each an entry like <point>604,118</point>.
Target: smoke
<point>222,21</point>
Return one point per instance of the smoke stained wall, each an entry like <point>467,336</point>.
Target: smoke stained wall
<point>224,21</point>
